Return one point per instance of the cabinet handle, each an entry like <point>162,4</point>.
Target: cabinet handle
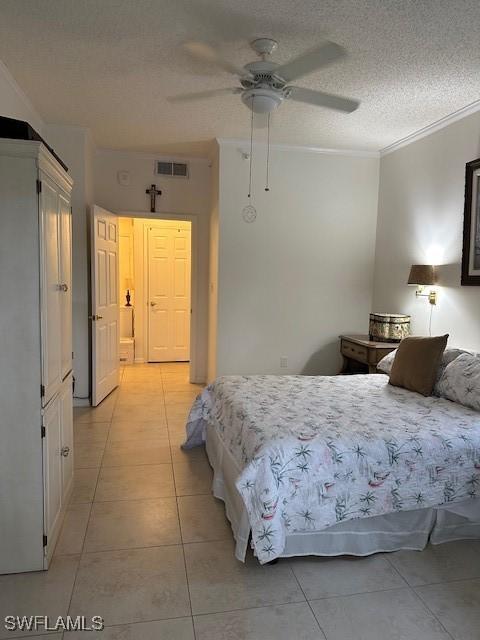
<point>65,451</point>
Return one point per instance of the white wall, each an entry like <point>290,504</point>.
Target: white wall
<point>213,268</point>
<point>420,220</point>
<point>14,103</point>
<point>74,146</point>
<point>302,273</point>
<point>191,196</point>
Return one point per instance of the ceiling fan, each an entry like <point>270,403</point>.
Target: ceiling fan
<point>265,84</point>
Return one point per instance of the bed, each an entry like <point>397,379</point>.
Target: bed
<point>338,465</point>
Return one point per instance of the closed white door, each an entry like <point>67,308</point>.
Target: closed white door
<point>50,289</point>
<point>66,283</point>
<point>105,306</point>
<point>169,249</point>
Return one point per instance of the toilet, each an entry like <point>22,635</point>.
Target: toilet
<point>127,340</point>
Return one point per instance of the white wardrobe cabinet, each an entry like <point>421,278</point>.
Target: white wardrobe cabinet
<point>36,415</point>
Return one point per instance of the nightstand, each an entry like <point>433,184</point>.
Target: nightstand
<point>361,355</point>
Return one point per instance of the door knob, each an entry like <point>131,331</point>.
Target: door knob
<point>95,317</point>
<point>65,451</point>
<point>64,287</point>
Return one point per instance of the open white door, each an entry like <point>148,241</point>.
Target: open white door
<point>105,316</point>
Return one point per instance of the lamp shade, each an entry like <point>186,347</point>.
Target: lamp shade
<point>422,274</point>
<point>128,283</point>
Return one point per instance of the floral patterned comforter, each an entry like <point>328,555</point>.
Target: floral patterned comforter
<point>315,451</point>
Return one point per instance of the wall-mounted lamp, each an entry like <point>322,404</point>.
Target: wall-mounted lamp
<point>423,275</point>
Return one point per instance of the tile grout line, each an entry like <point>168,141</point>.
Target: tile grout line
<point>260,606</point>
<point>307,600</point>
<point>139,548</point>
<point>433,614</point>
<point>432,584</point>
<point>412,589</point>
<point>357,593</point>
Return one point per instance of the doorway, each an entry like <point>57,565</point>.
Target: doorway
<point>155,269</point>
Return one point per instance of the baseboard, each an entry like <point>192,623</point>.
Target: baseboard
<point>81,402</point>
<point>139,361</point>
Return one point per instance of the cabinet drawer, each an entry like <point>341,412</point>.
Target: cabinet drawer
<point>355,351</point>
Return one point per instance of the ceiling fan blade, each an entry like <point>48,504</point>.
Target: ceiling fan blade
<point>321,99</point>
<point>310,61</point>
<point>207,53</point>
<point>201,95</point>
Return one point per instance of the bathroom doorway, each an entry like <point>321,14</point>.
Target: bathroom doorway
<point>155,275</point>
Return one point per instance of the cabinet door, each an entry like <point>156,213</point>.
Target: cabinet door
<point>66,450</point>
<point>50,288</point>
<point>52,470</point>
<point>65,282</point>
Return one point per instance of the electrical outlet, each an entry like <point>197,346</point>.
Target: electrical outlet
<point>283,362</point>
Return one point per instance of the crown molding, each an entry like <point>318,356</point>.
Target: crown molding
<point>464,112</point>
<point>245,146</point>
<point>146,155</point>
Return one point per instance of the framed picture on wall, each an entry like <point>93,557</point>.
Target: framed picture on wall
<point>471,225</point>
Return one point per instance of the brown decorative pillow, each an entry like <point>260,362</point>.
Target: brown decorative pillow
<point>416,363</point>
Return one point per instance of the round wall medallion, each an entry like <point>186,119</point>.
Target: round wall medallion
<point>249,213</point>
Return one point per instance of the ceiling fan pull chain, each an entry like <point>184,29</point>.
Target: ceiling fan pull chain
<point>251,152</point>
<point>267,188</point>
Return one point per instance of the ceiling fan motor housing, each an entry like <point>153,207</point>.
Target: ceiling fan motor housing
<point>262,99</point>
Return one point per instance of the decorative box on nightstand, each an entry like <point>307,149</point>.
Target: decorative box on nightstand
<point>361,355</point>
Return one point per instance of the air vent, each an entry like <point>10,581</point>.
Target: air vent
<point>172,169</point>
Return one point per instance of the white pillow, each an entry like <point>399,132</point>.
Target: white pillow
<point>450,354</point>
<point>460,381</point>
<point>386,362</point>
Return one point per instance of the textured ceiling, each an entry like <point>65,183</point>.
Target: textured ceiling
<point>109,64</point>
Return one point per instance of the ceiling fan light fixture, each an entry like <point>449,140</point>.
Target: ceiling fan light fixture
<point>262,99</point>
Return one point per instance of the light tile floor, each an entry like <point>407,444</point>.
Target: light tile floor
<point>146,546</point>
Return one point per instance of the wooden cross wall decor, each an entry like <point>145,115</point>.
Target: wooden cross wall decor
<point>153,192</point>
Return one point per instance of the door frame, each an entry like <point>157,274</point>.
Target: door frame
<point>194,275</point>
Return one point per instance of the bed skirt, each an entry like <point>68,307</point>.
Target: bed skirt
<point>360,537</point>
